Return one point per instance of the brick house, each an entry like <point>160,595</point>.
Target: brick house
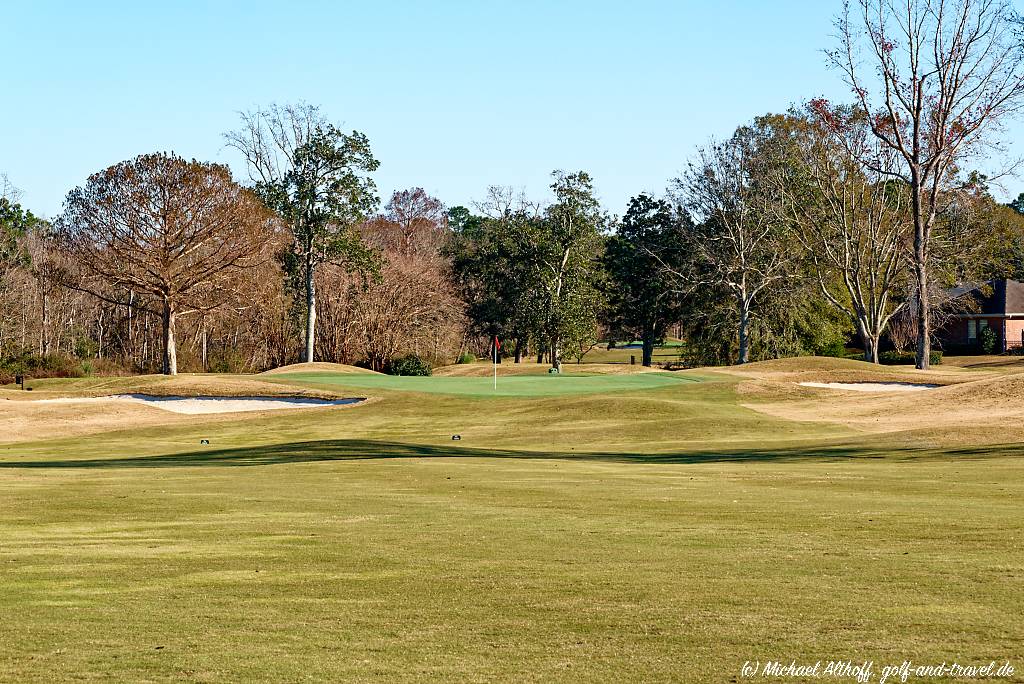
<point>999,306</point>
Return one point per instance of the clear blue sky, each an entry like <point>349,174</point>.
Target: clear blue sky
<point>455,96</point>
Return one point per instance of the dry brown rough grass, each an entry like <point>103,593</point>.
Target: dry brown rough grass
<point>23,418</point>
<point>970,399</point>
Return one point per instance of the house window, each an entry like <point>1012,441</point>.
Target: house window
<point>972,330</point>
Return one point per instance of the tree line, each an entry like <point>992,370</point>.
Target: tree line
<point>798,233</point>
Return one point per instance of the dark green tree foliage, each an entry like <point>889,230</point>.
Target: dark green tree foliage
<point>642,259</point>
<point>568,263</point>
<point>410,364</point>
<point>534,277</point>
<point>15,224</point>
<point>1018,204</point>
<point>1012,252</point>
<point>493,262</point>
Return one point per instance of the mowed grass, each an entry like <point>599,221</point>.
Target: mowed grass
<point>643,533</point>
<point>504,386</point>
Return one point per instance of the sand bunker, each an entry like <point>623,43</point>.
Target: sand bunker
<point>871,386</point>
<point>198,405</point>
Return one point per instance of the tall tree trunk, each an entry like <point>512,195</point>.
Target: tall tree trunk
<point>744,331</point>
<point>310,310</point>
<point>556,354</point>
<point>869,338</point>
<point>648,348</point>
<point>45,322</point>
<point>921,272</point>
<point>519,350</point>
<point>206,365</point>
<point>923,306</point>
<point>170,365</point>
<point>99,347</point>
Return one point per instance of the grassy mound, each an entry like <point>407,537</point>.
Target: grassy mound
<point>985,392</point>
<point>828,369</point>
<point>319,367</point>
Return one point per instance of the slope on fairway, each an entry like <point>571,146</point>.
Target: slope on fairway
<point>507,386</point>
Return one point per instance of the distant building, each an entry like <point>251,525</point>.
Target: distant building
<point>999,306</point>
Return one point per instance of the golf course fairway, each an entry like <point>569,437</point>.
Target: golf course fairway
<point>631,527</point>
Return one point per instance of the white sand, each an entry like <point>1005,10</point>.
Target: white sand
<point>197,405</point>
<point>871,386</point>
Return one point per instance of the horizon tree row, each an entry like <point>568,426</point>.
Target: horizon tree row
<point>795,233</point>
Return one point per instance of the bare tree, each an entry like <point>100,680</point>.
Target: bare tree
<point>8,191</point>
<point>174,230</point>
<point>412,305</point>
<point>938,78</point>
<point>421,222</point>
<point>852,219</point>
<point>503,201</point>
<point>737,240</point>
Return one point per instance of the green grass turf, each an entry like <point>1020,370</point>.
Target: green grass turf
<point>655,534</point>
<point>506,386</point>
<point>601,354</point>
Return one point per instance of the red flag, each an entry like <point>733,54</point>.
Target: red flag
<point>497,344</point>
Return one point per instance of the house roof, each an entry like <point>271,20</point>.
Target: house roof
<point>996,297</point>
<point>1013,296</point>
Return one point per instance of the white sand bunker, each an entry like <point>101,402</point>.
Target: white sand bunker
<point>197,405</point>
<point>872,386</point>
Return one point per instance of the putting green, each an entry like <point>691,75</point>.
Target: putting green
<point>508,386</point>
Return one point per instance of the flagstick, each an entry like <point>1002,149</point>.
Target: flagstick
<point>495,364</point>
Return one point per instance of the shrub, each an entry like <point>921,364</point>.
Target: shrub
<point>86,347</point>
<point>895,358</point>
<point>987,341</point>
<point>36,366</point>
<point>408,365</point>
<point>466,358</point>
<point>227,361</point>
<point>835,348</point>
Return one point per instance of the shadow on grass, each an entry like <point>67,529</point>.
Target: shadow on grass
<point>357,449</point>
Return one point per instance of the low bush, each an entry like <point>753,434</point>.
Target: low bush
<point>895,358</point>
<point>225,361</point>
<point>408,365</point>
<point>40,366</point>
<point>835,349</point>
<point>987,340</point>
<point>466,358</point>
